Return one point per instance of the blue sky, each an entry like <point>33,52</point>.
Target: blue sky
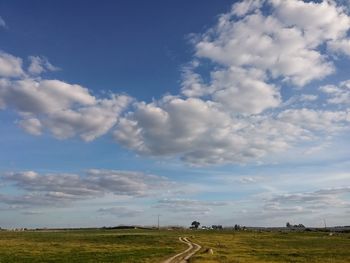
<point>227,112</point>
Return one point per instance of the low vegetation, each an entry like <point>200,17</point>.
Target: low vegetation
<point>87,246</point>
<point>255,246</point>
<point>154,246</point>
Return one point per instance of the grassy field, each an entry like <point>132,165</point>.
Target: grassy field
<point>154,246</point>
<point>87,246</point>
<point>273,247</point>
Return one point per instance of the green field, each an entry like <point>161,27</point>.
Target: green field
<point>154,246</point>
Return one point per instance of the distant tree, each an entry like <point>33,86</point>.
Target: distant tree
<point>237,227</point>
<point>288,225</point>
<point>195,224</point>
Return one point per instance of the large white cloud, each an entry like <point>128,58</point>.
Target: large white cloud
<point>282,40</point>
<point>66,110</point>
<point>203,134</point>
<point>266,43</point>
<point>230,109</point>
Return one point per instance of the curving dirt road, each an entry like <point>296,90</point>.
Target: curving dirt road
<point>184,256</point>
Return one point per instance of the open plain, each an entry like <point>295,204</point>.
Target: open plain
<point>157,246</point>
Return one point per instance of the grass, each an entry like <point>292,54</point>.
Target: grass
<point>154,246</point>
<point>247,246</point>
<point>87,246</point>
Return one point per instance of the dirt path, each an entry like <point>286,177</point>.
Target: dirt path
<point>184,256</point>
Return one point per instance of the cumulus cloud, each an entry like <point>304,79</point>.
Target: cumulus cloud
<point>64,109</point>
<point>62,189</point>
<point>258,42</point>
<point>202,134</point>
<point>234,111</point>
<point>43,96</point>
<point>289,38</point>
<point>235,89</point>
<point>89,122</point>
<point>231,107</point>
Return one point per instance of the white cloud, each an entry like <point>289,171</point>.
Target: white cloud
<point>32,126</point>
<point>238,92</point>
<point>244,7</point>
<point>237,114</point>
<point>319,21</point>
<point>236,89</point>
<point>43,96</point>
<point>39,65</point>
<point>230,111</point>
<point>201,134</point>
<point>340,46</point>
<point>308,97</point>
<point>63,189</point>
<point>66,110</point>
<point>89,122</point>
<point>338,94</point>
<point>10,66</point>
<point>316,120</point>
<point>284,51</point>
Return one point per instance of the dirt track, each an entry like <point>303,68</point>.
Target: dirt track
<point>184,256</point>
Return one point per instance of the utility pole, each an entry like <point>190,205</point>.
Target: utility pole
<point>324,221</point>
<point>158,221</point>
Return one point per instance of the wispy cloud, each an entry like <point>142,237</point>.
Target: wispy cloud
<point>121,211</point>
<point>63,189</point>
<point>38,65</point>
<point>2,22</point>
<point>188,206</point>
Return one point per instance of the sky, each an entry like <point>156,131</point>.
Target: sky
<point>224,112</point>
